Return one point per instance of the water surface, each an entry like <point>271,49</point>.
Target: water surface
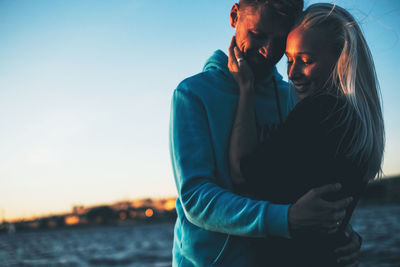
<point>151,244</point>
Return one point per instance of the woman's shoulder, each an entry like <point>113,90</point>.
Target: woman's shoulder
<point>323,101</point>
<point>321,106</point>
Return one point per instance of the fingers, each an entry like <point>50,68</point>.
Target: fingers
<point>341,204</point>
<point>336,221</point>
<point>236,58</point>
<point>238,54</point>
<point>331,188</point>
<point>349,254</point>
<point>358,237</point>
<point>242,63</point>
<point>354,245</point>
<point>232,61</point>
<point>339,216</point>
<point>348,230</point>
<point>333,230</point>
<point>346,250</point>
<point>353,235</point>
<point>331,221</point>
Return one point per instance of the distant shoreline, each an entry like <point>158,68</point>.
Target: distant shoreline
<point>385,191</point>
<point>382,191</point>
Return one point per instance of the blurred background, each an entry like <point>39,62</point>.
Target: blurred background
<point>85,90</point>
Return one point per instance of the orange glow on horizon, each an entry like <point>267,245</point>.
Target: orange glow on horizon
<point>133,209</point>
<point>169,205</point>
<point>149,213</point>
<point>71,220</point>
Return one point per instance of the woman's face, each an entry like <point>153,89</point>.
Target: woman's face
<point>310,60</point>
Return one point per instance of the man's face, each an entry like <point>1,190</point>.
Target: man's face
<point>261,36</point>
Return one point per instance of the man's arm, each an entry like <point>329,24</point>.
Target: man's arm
<point>205,203</point>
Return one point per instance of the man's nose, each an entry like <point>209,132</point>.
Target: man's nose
<point>293,70</point>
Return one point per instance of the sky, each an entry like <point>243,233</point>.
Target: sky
<point>85,91</point>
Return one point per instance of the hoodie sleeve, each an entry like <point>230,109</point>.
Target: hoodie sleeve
<point>205,203</point>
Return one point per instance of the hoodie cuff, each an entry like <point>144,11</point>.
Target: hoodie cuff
<point>276,220</point>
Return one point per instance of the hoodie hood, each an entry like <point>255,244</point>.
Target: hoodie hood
<point>219,61</point>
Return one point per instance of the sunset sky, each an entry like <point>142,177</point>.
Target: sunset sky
<point>85,90</point>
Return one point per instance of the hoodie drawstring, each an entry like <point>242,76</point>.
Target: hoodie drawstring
<point>278,104</point>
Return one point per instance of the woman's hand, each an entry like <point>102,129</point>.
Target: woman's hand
<point>240,69</point>
<point>349,254</point>
<point>244,134</point>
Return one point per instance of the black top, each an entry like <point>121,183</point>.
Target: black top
<point>308,150</point>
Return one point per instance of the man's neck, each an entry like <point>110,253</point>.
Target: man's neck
<point>261,76</point>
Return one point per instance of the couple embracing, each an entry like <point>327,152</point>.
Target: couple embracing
<point>266,176</point>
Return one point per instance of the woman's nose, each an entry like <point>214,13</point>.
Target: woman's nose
<point>264,51</point>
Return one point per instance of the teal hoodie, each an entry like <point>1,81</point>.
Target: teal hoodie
<point>215,226</point>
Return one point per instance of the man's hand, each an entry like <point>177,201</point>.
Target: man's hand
<point>349,254</point>
<point>312,212</point>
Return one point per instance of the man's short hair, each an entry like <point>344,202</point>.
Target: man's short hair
<point>290,9</point>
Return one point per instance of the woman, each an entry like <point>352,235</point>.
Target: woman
<point>335,134</point>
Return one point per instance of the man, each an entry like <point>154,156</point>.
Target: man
<point>215,225</point>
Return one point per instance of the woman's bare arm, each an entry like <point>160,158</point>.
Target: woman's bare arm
<point>243,139</point>
<point>244,134</point>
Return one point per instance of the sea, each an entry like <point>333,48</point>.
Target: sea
<point>151,244</point>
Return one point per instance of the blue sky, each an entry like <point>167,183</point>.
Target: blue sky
<point>85,89</point>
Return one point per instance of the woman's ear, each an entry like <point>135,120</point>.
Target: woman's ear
<point>233,16</point>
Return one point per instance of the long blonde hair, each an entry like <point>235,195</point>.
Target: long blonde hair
<point>354,78</point>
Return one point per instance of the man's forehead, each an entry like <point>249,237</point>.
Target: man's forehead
<point>266,20</point>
